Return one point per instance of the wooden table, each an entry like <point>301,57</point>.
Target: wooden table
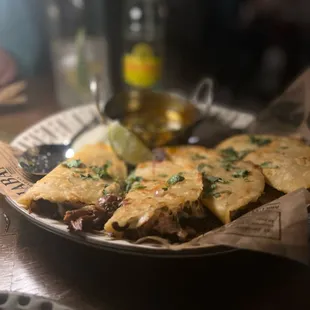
<point>36,261</point>
<point>41,103</point>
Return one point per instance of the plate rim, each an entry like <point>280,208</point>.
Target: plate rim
<point>127,248</point>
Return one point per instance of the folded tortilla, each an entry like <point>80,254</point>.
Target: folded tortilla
<point>162,202</point>
<point>230,188</point>
<point>80,180</point>
<point>286,169</point>
<point>230,191</point>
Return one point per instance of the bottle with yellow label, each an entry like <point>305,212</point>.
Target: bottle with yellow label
<point>142,60</point>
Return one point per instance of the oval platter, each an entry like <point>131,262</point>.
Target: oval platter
<point>60,128</point>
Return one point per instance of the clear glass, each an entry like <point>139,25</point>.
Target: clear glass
<point>77,52</point>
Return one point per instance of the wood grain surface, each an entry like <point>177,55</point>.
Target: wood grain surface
<point>36,261</point>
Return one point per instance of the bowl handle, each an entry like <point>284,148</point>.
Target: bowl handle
<point>95,85</point>
<point>203,95</point>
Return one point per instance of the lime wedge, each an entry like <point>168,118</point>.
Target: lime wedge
<point>127,145</point>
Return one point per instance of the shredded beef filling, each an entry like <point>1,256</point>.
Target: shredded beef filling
<point>176,228</point>
<point>93,218</point>
<point>46,209</point>
<point>51,210</point>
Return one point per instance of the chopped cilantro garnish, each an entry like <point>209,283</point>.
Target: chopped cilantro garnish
<point>230,155</point>
<point>259,141</point>
<point>73,163</point>
<point>132,178</point>
<point>137,185</point>
<point>89,176</point>
<point>242,173</point>
<point>228,166</point>
<point>213,179</point>
<point>104,191</point>
<point>209,184</point>
<point>102,172</point>
<point>201,166</point>
<point>197,156</point>
<point>268,164</point>
<point>175,179</point>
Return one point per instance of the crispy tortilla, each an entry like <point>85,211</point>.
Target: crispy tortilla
<point>190,154</point>
<point>153,206</point>
<point>243,142</point>
<point>78,186</point>
<point>228,187</point>
<point>285,169</point>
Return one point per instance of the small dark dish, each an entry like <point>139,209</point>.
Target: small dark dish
<point>160,118</point>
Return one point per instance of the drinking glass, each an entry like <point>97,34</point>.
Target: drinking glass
<point>78,48</point>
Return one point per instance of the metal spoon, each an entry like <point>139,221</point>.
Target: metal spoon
<point>40,160</point>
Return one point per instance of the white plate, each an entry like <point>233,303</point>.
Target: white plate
<point>59,128</point>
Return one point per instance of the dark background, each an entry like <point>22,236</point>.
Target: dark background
<point>252,48</point>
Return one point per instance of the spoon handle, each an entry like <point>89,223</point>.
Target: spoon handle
<point>96,91</point>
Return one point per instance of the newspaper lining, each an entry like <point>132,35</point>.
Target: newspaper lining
<point>278,228</point>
